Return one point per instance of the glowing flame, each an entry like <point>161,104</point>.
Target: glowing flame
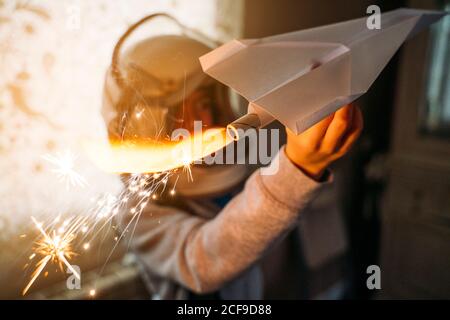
<point>150,157</point>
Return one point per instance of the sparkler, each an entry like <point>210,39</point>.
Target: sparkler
<point>65,168</point>
<point>57,245</point>
<point>56,248</point>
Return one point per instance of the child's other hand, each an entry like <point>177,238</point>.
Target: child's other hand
<point>316,148</point>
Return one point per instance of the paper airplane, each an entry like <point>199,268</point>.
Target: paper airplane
<point>301,77</point>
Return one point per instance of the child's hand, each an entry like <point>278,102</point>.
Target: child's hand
<point>316,148</point>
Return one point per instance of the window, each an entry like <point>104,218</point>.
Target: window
<point>436,120</point>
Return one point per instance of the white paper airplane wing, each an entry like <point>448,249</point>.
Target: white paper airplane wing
<point>301,77</point>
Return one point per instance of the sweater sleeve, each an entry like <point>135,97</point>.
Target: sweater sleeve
<point>203,255</point>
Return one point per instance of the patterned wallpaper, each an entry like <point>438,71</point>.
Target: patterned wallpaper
<point>53,55</point>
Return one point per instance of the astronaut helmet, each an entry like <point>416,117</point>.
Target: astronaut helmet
<point>156,86</point>
<point>159,86</point>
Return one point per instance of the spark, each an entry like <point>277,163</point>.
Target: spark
<point>56,248</point>
<point>56,244</point>
<point>139,114</point>
<point>188,171</point>
<point>65,168</point>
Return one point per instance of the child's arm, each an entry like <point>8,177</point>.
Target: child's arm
<point>204,254</point>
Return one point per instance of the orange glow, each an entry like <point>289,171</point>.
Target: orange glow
<point>149,157</point>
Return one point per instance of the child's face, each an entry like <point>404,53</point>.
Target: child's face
<point>198,107</point>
